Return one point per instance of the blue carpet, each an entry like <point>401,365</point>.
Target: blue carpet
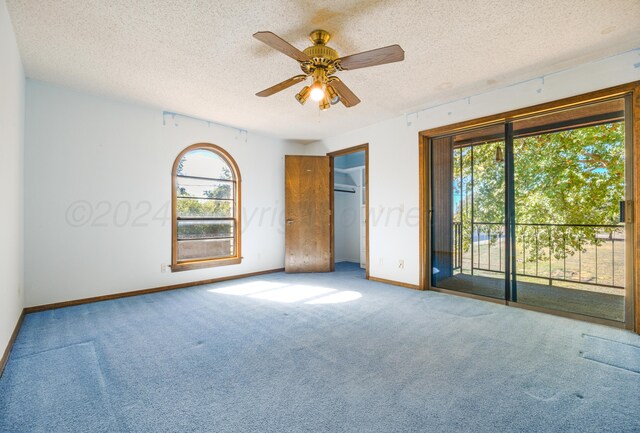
<point>49,389</point>
<point>316,353</point>
<point>614,353</point>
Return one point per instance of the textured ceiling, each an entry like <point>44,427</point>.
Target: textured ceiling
<point>198,57</point>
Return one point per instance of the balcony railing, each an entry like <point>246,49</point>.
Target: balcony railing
<point>571,253</point>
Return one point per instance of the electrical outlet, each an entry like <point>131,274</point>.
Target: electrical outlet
<point>380,261</point>
<point>401,263</point>
<point>163,268</point>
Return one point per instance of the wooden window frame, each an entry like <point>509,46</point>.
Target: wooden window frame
<point>632,89</point>
<point>237,213</point>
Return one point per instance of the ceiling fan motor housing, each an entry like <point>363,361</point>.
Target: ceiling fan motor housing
<point>321,55</point>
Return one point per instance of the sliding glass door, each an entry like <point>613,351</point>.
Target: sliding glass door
<point>468,212</point>
<point>569,186</point>
<point>534,211</point>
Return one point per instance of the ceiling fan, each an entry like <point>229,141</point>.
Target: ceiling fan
<point>321,63</point>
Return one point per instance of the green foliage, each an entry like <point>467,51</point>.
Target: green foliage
<point>220,191</point>
<point>197,230</point>
<point>189,205</point>
<point>567,177</point>
<point>570,177</point>
<point>225,173</point>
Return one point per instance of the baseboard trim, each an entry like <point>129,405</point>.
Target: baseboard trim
<point>395,283</point>
<point>55,305</point>
<point>12,340</point>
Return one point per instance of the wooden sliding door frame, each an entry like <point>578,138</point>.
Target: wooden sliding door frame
<point>332,156</point>
<point>424,137</point>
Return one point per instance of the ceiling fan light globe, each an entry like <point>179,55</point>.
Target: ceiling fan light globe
<point>317,93</point>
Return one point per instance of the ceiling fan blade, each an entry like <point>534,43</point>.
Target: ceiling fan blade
<point>380,56</point>
<point>281,86</point>
<point>275,41</point>
<point>347,97</point>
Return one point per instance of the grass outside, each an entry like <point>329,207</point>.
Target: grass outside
<point>593,269</point>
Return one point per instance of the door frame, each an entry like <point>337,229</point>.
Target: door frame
<point>424,138</point>
<point>332,156</point>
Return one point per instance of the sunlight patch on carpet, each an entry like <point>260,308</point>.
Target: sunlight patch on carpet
<point>289,293</point>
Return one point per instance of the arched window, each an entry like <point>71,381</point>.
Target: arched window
<point>206,209</point>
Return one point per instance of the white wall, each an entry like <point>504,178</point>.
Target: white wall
<point>89,161</point>
<point>393,153</point>
<point>346,207</point>
<point>12,89</point>
<point>86,156</point>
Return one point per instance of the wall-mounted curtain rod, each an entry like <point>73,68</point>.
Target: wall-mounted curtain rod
<point>242,132</point>
<point>412,116</point>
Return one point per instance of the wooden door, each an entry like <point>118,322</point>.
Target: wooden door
<point>307,214</point>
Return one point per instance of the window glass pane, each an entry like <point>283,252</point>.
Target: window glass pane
<point>467,232</point>
<point>205,206</point>
<point>205,249</point>
<point>205,229</point>
<point>569,181</point>
<point>202,188</point>
<point>204,163</point>
<point>194,207</point>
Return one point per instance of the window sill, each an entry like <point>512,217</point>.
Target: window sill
<point>203,264</point>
